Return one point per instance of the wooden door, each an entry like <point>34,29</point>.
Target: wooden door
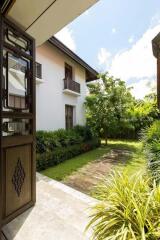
<point>69,116</point>
<point>17,121</point>
<point>68,72</point>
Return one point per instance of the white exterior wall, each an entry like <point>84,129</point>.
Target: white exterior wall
<point>50,99</point>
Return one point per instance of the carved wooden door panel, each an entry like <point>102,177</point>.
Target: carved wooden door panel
<point>17,121</point>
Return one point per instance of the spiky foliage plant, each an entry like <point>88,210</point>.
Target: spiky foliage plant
<point>129,209</point>
<point>151,142</point>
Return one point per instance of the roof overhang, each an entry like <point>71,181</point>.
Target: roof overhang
<point>43,18</point>
<point>156,46</point>
<point>91,74</point>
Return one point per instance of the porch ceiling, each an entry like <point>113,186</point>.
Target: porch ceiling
<point>42,19</point>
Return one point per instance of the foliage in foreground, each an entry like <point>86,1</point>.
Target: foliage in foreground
<point>130,209</point>
<point>151,142</point>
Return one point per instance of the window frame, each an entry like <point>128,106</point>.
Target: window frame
<point>69,116</point>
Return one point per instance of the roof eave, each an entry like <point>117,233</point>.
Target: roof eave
<point>93,74</point>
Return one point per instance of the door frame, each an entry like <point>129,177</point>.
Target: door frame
<point>31,115</point>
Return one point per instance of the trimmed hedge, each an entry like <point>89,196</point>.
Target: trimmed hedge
<point>49,159</point>
<point>55,147</point>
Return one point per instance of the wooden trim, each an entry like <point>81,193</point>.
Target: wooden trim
<point>69,116</point>
<point>8,6</point>
<point>17,213</point>
<point>16,141</point>
<point>13,25</point>
<point>17,115</point>
<point>1,156</point>
<point>12,141</point>
<point>158,82</point>
<point>156,45</point>
<point>33,94</point>
<point>14,49</point>
<point>3,236</point>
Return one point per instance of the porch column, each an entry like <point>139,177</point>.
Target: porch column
<point>156,53</point>
<point>158,80</point>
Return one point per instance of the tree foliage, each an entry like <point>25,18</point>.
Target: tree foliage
<point>107,105</point>
<point>144,113</point>
<point>112,111</point>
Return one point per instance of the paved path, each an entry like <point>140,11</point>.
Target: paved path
<point>61,213</point>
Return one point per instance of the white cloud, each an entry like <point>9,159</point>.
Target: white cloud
<point>142,88</point>
<point>114,30</point>
<point>155,20</point>
<point>66,36</point>
<point>103,56</point>
<point>136,64</point>
<point>131,39</point>
<point>86,12</point>
<point>138,61</point>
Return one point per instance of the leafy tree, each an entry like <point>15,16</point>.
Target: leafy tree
<point>144,113</point>
<point>107,105</point>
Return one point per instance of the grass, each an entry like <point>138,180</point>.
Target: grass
<point>135,162</point>
<point>66,168</point>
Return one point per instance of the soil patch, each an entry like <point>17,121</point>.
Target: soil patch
<point>88,176</point>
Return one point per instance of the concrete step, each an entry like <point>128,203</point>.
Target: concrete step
<point>67,189</point>
<point>61,213</point>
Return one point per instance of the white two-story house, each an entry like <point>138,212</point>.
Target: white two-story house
<point>60,86</point>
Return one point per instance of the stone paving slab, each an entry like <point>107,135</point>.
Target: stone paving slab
<point>61,213</point>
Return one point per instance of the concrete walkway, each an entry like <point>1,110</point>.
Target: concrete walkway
<point>61,213</point>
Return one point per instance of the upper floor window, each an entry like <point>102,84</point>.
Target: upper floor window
<point>68,72</point>
<point>38,70</point>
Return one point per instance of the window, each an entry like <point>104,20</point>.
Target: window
<point>68,72</point>
<point>38,70</point>
<point>69,116</point>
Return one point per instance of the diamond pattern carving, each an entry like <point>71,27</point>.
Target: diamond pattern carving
<point>18,177</point>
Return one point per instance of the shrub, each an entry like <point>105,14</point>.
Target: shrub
<point>49,140</point>
<point>152,133</point>
<point>151,142</point>
<point>84,132</point>
<point>130,209</point>
<point>54,147</point>
<point>48,159</point>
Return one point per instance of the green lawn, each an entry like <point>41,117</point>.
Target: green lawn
<point>135,162</point>
<point>64,169</point>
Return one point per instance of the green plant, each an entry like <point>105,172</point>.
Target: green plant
<point>107,105</point>
<point>50,140</point>
<point>130,209</point>
<point>152,133</point>
<point>151,141</point>
<point>51,158</point>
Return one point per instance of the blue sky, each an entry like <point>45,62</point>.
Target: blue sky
<point>115,36</point>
